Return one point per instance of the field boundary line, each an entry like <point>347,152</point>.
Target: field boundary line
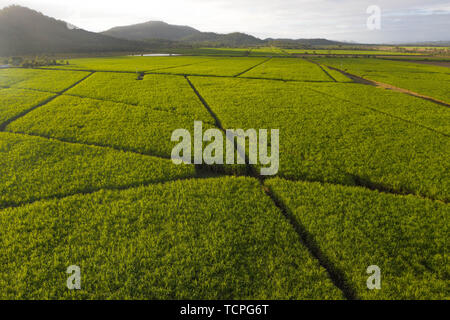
<point>88,144</point>
<point>381,112</point>
<point>128,104</point>
<point>189,75</point>
<point>249,69</point>
<point>119,188</point>
<point>82,70</point>
<point>30,89</point>
<point>335,275</point>
<point>359,182</point>
<point>250,172</point>
<point>184,65</point>
<point>233,77</point>
<point>286,80</point>
<point>22,114</point>
<point>308,241</point>
<point>364,184</point>
<point>366,81</point>
<point>205,104</point>
<point>436,63</point>
<point>321,67</point>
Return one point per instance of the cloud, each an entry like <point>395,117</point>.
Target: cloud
<point>408,20</point>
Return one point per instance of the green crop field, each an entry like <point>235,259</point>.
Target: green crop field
<point>159,92</point>
<point>85,120</point>
<point>36,168</point>
<point>324,138</point>
<point>289,69</point>
<point>87,178</point>
<point>13,102</point>
<point>132,64</point>
<point>349,52</point>
<point>226,241</point>
<point>405,236</point>
<point>219,67</point>
<point>41,80</point>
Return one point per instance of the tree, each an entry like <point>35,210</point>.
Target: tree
<point>16,61</point>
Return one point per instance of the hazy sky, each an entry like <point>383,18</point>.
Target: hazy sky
<point>401,20</point>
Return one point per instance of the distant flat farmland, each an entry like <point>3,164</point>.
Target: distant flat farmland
<point>87,178</point>
<point>349,52</point>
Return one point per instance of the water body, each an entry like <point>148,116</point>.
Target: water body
<point>4,66</point>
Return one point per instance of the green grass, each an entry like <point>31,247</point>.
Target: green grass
<point>14,102</point>
<point>159,92</point>
<point>354,228</point>
<point>433,81</point>
<point>288,69</point>
<point>197,239</point>
<point>326,139</point>
<point>85,120</point>
<point>34,168</point>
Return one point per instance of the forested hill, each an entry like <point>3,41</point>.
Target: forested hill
<point>160,30</point>
<point>25,31</point>
<point>152,30</point>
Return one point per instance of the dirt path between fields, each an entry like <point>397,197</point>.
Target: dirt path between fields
<point>321,67</point>
<point>431,63</point>
<point>386,86</point>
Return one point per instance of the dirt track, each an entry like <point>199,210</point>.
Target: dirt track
<point>362,80</point>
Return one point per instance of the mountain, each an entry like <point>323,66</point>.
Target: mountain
<point>160,30</point>
<point>25,31</point>
<point>236,39</point>
<point>152,30</point>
